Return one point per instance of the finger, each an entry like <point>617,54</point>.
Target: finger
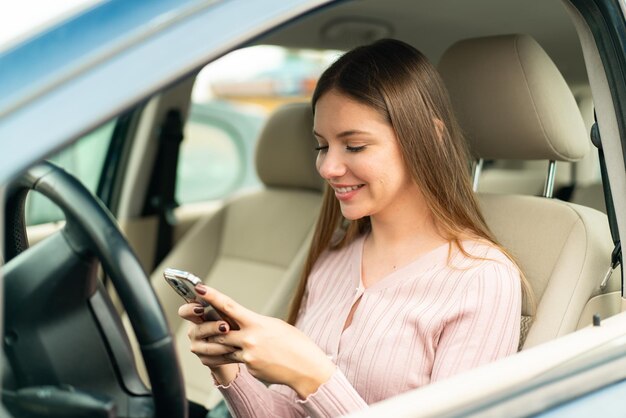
<point>238,339</point>
<point>234,356</point>
<point>212,361</point>
<point>226,305</point>
<point>199,347</point>
<point>210,329</point>
<point>191,312</point>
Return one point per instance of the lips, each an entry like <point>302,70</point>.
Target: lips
<point>345,192</point>
<point>347,189</point>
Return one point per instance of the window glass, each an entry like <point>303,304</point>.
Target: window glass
<point>84,159</point>
<point>231,100</point>
<point>216,154</point>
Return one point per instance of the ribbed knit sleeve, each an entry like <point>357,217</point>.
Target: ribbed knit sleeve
<point>334,398</point>
<point>247,397</point>
<point>485,322</point>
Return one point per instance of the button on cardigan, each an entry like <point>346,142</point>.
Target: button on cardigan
<point>439,315</point>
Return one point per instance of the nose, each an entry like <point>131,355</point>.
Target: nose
<point>330,164</point>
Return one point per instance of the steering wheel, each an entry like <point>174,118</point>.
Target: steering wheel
<point>60,326</point>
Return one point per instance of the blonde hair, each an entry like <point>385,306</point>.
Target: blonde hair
<point>399,82</point>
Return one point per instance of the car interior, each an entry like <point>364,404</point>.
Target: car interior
<point>563,248</point>
<point>260,237</point>
<point>519,86</point>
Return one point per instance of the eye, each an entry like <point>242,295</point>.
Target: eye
<point>355,149</point>
<point>321,148</point>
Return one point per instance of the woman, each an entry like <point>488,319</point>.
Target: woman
<point>404,284</point>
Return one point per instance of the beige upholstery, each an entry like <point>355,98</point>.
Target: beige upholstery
<point>506,91</point>
<point>587,170</point>
<point>563,249</point>
<point>588,190</point>
<point>253,248</point>
<point>513,104</point>
<point>283,162</point>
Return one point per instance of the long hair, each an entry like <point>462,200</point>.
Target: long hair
<point>399,82</point>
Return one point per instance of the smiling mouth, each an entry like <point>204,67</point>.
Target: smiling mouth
<point>348,189</point>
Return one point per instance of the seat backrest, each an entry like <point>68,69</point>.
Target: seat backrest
<point>513,103</point>
<point>254,247</point>
<point>588,190</point>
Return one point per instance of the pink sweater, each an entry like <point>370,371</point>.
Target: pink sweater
<point>424,322</point>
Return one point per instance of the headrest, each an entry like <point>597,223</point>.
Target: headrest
<point>511,100</point>
<point>285,153</point>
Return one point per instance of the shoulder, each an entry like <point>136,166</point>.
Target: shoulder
<point>480,254</point>
<point>488,281</point>
<point>484,264</point>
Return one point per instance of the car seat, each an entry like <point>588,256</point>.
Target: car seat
<point>513,103</point>
<point>588,189</point>
<point>254,247</point>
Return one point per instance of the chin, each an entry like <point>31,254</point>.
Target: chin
<point>353,215</point>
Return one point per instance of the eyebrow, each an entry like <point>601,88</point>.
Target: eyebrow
<point>344,133</point>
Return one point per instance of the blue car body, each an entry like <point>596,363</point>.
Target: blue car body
<point>74,76</point>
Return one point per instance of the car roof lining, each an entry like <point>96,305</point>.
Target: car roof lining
<point>453,20</point>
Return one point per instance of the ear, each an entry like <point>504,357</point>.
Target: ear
<point>440,128</point>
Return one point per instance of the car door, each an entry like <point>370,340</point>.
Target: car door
<point>102,62</point>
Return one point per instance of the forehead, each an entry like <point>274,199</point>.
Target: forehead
<point>337,111</point>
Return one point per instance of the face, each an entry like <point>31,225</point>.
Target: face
<point>360,158</point>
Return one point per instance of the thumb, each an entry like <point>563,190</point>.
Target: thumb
<point>226,305</point>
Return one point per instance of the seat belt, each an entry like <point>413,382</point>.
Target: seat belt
<point>161,193</point>
<point>616,255</point>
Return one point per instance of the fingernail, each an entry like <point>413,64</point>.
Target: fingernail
<point>223,328</point>
<point>198,310</point>
<point>201,289</point>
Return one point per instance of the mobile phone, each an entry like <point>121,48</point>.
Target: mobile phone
<point>184,284</point>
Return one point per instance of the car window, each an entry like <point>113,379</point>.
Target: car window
<point>84,159</point>
<point>231,100</point>
<point>216,154</point>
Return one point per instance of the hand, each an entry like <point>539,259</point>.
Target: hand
<point>272,350</point>
<point>213,355</point>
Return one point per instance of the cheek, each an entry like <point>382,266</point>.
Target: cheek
<point>399,170</point>
<point>377,171</point>
<point>390,177</point>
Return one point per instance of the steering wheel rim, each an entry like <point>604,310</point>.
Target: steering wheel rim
<point>88,222</point>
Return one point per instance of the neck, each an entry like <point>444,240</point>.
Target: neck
<point>397,238</point>
<point>392,234</point>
